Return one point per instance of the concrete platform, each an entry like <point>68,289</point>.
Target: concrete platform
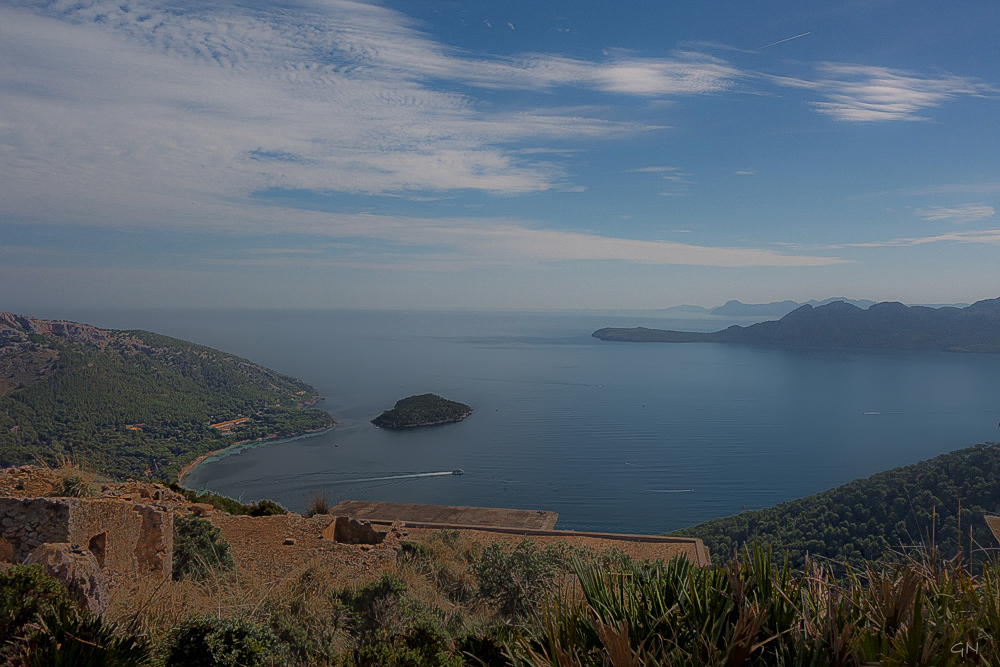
<point>492,523</point>
<point>489,517</point>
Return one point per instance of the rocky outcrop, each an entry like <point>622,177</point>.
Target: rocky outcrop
<point>351,531</point>
<point>78,570</point>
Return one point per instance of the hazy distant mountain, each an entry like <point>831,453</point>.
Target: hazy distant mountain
<point>888,325</point>
<point>686,310</point>
<point>734,308</point>
<point>778,308</point>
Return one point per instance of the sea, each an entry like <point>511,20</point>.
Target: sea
<point>616,437</point>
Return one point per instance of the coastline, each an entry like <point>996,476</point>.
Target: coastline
<point>186,470</point>
<point>451,420</point>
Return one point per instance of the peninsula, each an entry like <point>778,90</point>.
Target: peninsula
<point>887,325</point>
<point>135,403</point>
<point>422,410</point>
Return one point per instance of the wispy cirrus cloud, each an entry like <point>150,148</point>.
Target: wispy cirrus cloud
<point>980,236</point>
<point>865,93</point>
<point>113,109</point>
<point>956,214</point>
<point>672,174</point>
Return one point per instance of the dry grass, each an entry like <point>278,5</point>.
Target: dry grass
<point>304,598</point>
<point>318,504</point>
<point>73,480</point>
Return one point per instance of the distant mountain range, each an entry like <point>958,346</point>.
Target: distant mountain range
<point>888,325</point>
<point>734,308</point>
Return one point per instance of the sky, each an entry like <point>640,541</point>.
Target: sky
<point>510,154</point>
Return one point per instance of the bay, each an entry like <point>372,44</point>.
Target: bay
<point>616,437</point>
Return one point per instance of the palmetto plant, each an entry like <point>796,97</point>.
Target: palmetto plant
<point>750,611</point>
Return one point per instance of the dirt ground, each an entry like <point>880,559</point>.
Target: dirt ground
<point>271,548</point>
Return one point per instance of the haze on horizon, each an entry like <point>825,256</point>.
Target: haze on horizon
<point>421,154</point>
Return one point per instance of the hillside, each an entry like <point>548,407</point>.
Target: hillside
<point>975,328</point>
<point>866,518</point>
<point>134,403</point>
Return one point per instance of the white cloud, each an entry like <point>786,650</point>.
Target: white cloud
<point>672,174</point>
<point>111,111</point>
<point>864,93</point>
<point>982,236</point>
<point>957,214</point>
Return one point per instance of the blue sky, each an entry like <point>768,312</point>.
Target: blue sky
<point>545,154</point>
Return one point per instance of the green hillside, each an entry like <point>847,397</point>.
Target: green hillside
<point>422,410</point>
<point>128,402</point>
<point>867,518</point>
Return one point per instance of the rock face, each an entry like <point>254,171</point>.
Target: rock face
<point>77,569</point>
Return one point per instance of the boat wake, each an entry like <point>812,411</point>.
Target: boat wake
<point>392,477</point>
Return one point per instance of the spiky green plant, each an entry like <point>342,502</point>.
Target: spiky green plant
<point>918,611</point>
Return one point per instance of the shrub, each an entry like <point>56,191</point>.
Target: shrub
<point>40,625</point>
<point>421,647</point>
<point>265,508</point>
<point>516,579</point>
<point>307,616</point>
<point>26,592</point>
<point>228,505</point>
<point>443,559</point>
<point>198,548</point>
<point>207,641</point>
<point>369,605</point>
<point>75,639</point>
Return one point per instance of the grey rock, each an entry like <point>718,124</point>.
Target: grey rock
<point>77,569</point>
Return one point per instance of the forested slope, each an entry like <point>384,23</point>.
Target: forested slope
<point>867,518</point>
<point>133,403</point>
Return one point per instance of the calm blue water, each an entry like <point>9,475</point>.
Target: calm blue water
<point>617,437</point>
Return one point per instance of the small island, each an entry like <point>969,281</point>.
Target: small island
<point>422,410</point>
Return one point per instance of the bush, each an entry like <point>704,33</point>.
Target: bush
<point>307,616</point>
<point>228,505</point>
<point>198,549</point>
<point>75,639</point>
<point>40,625</point>
<point>265,508</point>
<point>207,641</point>
<point>26,592</point>
<point>369,605</point>
<point>516,579</point>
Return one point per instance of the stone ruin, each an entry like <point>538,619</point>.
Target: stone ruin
<point>347,530</point>
<point>129,540</point>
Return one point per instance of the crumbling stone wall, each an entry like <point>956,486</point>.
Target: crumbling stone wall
<point>28,523</point>
<point>351,531</point>
<point>129,540</point>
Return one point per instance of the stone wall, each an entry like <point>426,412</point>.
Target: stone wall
<point>129,540</point>
<point>28,523</point>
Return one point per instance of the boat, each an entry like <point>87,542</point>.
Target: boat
<point>457,471</point>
